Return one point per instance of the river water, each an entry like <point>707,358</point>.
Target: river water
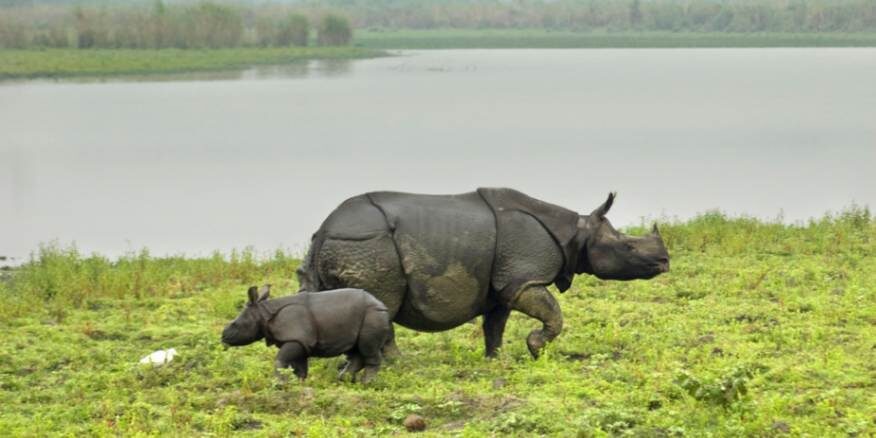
<point>187,164</point>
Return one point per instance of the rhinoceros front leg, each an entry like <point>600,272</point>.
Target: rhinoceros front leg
<point>538,303</point>
<point>293,355</point>
<point>494,327</point>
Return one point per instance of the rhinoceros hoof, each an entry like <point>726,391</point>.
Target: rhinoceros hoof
<point>368,375</point>
<point>391,351</point>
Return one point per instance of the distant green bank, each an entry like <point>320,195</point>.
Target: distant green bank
<point>22,64</point>
<point>539,38</point>
<point>69,62</point>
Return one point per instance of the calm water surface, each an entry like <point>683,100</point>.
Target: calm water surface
<point>192,163</point>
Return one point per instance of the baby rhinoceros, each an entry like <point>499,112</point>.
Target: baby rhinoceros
<point>324,324</point>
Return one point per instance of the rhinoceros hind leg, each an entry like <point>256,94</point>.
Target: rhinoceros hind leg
<point>370,373</point>
<point>494,328</point>
<point>390,348</point>
<point>538,303</point>
<point>353,365</point>
<point>373,338</point>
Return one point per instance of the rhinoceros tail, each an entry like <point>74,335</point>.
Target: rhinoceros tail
<point>308,276</point>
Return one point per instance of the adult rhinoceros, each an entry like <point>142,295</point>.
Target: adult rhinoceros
<point>437,261</point>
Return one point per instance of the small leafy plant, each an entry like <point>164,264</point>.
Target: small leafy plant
<point>725,390</point>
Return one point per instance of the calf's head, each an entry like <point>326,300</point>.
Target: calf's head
<point>246,328</point>
<point>612,255</point>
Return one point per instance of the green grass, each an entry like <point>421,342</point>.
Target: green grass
<point>759,329</point>
<point>16,64</point>
<point>537,38</point>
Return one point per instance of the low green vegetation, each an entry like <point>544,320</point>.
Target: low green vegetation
<point>16,64</point>
<point>539,38</point>
<point>760,329</point>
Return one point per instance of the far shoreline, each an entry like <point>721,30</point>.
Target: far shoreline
<point>26,64</point>
<point>421,39</point>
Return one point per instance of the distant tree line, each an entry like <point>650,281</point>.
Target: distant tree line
<point>616,15</point>
<point>154,26</point>
<point>190,24</point>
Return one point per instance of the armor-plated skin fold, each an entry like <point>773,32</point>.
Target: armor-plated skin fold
<point>445,244</point>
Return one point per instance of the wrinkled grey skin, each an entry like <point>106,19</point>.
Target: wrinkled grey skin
<point>437,261</point>
<point>331,323</point>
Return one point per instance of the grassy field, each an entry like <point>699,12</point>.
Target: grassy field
<point>760,329</point>
<point>537,38</point>
<point>15,64</point>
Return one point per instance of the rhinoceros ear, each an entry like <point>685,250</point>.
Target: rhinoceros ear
<point>253,294</point>
<point>264,292</point>
<point>602,210</point>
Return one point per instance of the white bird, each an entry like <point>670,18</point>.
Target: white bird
<point>160,357</point>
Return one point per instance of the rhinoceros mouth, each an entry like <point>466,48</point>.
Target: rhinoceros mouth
<point>662,265</point>
<point>228,338</point>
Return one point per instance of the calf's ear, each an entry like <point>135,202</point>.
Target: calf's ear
<point>264,292</point>
<point>253,294</point>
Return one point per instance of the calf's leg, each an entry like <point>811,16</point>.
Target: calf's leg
<point>354,365</point>
<point>293,355</point>
<point>390,348</point>
<point>376,330</point>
